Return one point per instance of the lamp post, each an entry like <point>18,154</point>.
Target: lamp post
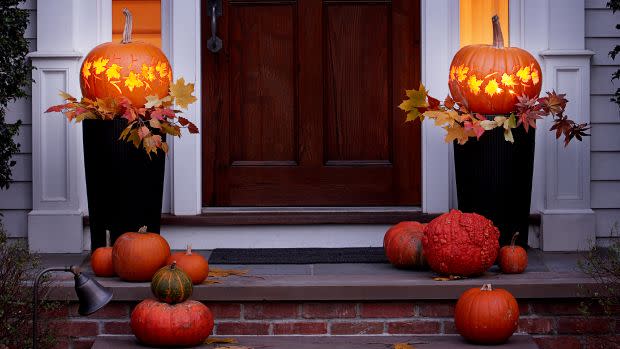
<point>92,296</point>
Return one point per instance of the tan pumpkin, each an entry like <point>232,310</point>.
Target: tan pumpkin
<point>487,79</point>
<point>137,256</point>
<point>130,68</point>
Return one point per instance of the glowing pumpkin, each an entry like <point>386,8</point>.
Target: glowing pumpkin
<point>487,79</point>
<point>131,69</point>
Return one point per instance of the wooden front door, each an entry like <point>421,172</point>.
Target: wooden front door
<point>300,105</point>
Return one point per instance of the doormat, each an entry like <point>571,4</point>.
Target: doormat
<point>297,255</point>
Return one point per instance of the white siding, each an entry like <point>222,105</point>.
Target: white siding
<point>601,37</point>
<point>16,202</point>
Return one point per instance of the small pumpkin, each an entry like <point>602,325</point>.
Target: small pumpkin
<point>171,284</point>
<point>160,324</point>
<point>489,78</point>
<point>101,259</point>
<point>513,259</point>
<point>132,69</point>
<point>403,245</point>
<point>194,264</point>
<point>463,244</point>
<point>138,255</point>
<point>486,315</point>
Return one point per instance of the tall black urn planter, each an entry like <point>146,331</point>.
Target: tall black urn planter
<point>123,185</point>
<point>494,179</point>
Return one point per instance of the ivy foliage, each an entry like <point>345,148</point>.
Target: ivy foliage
<point>15,76</point>
<point>614,5</point>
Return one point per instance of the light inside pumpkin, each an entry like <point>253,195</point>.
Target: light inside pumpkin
<point>521,76</point>
<point>132,77</point>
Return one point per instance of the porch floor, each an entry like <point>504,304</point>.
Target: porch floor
<point>549,275</point>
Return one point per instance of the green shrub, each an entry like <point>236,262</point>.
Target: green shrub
<point>614,5</point>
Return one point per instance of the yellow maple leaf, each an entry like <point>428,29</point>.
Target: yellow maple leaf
<point>114,72</point>
<point>456,132</point>
<point>417,98</point>
<point>86,69</point>
<point>162,69</point>
<point>508,80</point>
<point>524,74</point>
<point>182,93</point>
<point>148,72</point>
<point>413,115</point>
<point>452,73</point>
<point>219,272</point>
<point>443,117</point>
<point>535,77</point>
<point>403,346</point>
<point>461,73</point>
<point>100,65</point>
<point>132,81</point>
<point>492,88</point>
<point>474,84</point>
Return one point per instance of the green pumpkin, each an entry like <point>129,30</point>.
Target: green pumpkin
<point>171,284</point>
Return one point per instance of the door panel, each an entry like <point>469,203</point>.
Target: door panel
<point>299,107</point>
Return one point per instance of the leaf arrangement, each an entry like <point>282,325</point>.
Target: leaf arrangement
<point>145,124</point>
<point>461,124</point>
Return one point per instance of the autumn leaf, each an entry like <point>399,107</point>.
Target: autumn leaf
<point>192,128</point>
<point>170,129</point>
<point>57,108</point>
<point>100,65</point>
<point>456,132</point>
<point>151,143</point>
<point>417,98</point>
<point>443,117</point>
<point>219,340</point>
<point>152,101</point>
<point>164,147</point>
<point>413,115</point>
<point>219,272</point>
<point>448,278</point>
<point>154,123</point>
<point>134,138</point>
<point>449,102</point>
<point>160,113</point>
<point>143,132</point>
<point>67,97</point>
<point>234,347</point>
<point>183,121</point>
<point>403,346</point>
<point>433,103</point>
<point>182,93</point>
<point>554,103</point>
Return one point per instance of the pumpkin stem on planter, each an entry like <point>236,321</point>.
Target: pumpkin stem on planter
<point>128,26</point>
<point>107,238</point>
<point>486,287</point>
<point>142,229</point>
<point>498,38</point>
<point>173,265</point>
<point>514,239</point>
<point>189,249</point>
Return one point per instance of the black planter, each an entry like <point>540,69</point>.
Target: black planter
<point>123,185</point>
<point>494,179</point>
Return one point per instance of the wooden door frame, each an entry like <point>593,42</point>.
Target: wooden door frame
<point>185,36</point>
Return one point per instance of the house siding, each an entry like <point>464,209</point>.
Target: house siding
<point>16,202</point>
<point>601,37</point>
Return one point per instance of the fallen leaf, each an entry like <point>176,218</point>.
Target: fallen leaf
<point>220,340</point>
<point>403,346</point>
<point>219,272</point>
<point>234,347</point>
<point>182,93</point>
<point>448,278</point>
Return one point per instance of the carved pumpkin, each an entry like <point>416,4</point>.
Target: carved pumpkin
<point>159,324</point>
<point>171,284</point>
<point>513,259</point>
<point>101,259</point>
<point>195,265</point>
<point>137,256</point>
<point>489,78</point>
<point>131,69</point>
<point>403,245</point>
<point>458,243</point>
<point>486,316</point>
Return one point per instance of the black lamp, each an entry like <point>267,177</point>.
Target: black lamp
<point>92,296</point>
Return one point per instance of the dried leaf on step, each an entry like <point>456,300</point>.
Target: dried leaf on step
<point>220,340</point>
<point>234,347</point>
<point>448,278</point>
<point>219,272</point>
<point>403,346</point>
<point>208,282</point>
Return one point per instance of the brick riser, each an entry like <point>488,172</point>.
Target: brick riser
<point>553,324</point>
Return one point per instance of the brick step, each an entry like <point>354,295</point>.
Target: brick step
<point>520,341</point>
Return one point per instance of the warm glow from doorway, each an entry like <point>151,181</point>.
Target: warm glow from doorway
<point>475,21</point>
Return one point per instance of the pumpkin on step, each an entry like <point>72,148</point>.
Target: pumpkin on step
<point>403,245</point>
<point>486,315</point>
<point>166,325</point>
<point>463,244</point>
<point>513,259</point>
<point>195,265</point>
<point>138,255</point>
<point>171,284</point>
<point>101,259</point>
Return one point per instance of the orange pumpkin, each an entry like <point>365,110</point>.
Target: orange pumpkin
<point>487,79</point>
<point>195,265</point>
<point>101,259</point>
<point>486,315</point>
<point>513,259</point>
<point>131,69</point>
<point>137,256</point>
<point>403,245</point>
<point>159,324</point>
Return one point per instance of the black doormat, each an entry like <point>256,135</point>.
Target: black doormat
<point>297,255</point>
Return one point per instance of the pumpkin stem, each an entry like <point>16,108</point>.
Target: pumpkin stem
<point>189,249</point>
<point>486,287</point>
<point>173,265</point>
<point>514,239</point>
<point>128,26</point>
<point>107,238</point>
<point>498,38</point>
<point>142,229</point>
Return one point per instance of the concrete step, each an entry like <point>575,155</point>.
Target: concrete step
<point>520,341</point>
